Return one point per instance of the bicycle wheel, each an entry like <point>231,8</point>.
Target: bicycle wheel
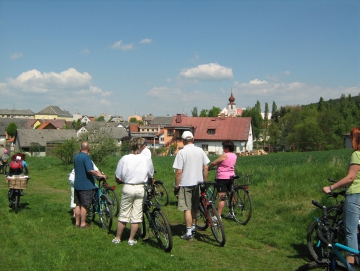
<point>106,215</point>
<point>241,205</point>
<point>316,249</point>
<point>115,199</point>
<point>161,229</point>
<point>321,266</point>
<point>201,221</point>
<point>161,194</point>
<point>142,228</point>
<point>17,202</point>
<point>217,227</point>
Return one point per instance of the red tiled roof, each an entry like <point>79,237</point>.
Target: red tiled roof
<point>225,128</point>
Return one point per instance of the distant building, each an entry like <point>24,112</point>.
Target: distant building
<point>54,112</point>
<point>17,114</point>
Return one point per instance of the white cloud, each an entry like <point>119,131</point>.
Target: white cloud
<point>84,51</point>
<point>70,89</point>
<point>293,93</point>
<point>16,55</point>
<point>146,41</point>
<point>124,47</point>
<point>207,72</point>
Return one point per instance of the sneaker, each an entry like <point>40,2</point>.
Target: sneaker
<point>193,230</point>
<point>116,241</point>
<point>187,237</point>
<point>132,242</point>
<point>229,215</point>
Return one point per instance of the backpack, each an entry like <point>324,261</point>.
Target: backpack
<point>16,167</point>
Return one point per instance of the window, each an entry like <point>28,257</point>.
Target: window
<point>170,132</point>
<point>204,147</point>
<point>211,131</point>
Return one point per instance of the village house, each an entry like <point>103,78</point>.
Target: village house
<point>54,112</point>
<point>16,114</point>
<point>209,133</point>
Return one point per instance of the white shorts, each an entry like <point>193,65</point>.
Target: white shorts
<point>131,209</point>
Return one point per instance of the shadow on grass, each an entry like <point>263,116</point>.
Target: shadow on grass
<point>302,252</point>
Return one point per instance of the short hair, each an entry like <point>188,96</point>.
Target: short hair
<point>355,138</point>
<point>85,146</point>
<point>135,145</point>
<point>228,144</point>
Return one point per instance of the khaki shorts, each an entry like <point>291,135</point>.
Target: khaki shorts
<point>189,198</point>
<point>131,209</point>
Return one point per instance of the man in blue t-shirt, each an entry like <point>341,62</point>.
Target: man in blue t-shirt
<point>84,184</point>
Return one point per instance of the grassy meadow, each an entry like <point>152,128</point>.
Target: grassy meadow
<point>42,236</point>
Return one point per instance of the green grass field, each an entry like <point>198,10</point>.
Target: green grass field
<point>42,236</point>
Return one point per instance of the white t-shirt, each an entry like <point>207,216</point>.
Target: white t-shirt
<point>72,174</point>
<point>146,152</point>
<point>191,160</point>
<point>134,169</point>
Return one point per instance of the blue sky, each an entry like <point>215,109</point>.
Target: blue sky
<point>166,57</point>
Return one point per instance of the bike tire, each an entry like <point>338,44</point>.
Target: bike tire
<point>201,220</point>
<point>17,203</point>
<point>241,205</point>
<point>161,229</point>
<point>216,226</point>
<point>161,194</point>
<point>115,199</point>
<point>142,228</point>
<point>106,214</point>
<point>318,251</point>
<point>321,266</point>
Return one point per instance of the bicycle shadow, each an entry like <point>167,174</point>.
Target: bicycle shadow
<point>302,252</point>
<point>202,236</point>
<point>22,206</point>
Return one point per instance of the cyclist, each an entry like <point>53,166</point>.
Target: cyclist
<point>225,164</point>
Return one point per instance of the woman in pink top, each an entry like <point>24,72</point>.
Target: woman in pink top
<point>225,164</point>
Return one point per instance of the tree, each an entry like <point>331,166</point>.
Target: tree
<point>101,141</point>
<point>256,120</point>
<point>11,129</point>
<point>214,111</point>
<point>133,120</point>
<point>34,148</point>
<point>274,108</point>
<point>194,112</point>
<point>321,104</point>
<point>101,118</point>
<point>204,113</point>
<point>67,150</point>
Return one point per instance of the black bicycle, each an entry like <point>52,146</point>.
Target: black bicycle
<point>317,249</point>
<point>208,216</point>
<point>238,198</point>
<point>156,221</point>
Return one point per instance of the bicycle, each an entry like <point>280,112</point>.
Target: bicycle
<point>239,199</point>
<point>102,205</point>
<point>208,216</point>
<point>110,191</point>
<point>334,213</point>
<point>333,259</point>
<point>16,186</point>
<point>157,221</point>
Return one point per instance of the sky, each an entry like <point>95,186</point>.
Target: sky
<point>167,57</point>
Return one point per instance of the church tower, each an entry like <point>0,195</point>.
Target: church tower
<point>231,109</point>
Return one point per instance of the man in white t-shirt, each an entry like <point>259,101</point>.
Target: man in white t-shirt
<point>191,170</point>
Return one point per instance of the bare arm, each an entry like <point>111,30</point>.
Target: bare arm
<point>218,160</point>
<point>347,180</point>
<point>205,172</point>
<point>178,177</point>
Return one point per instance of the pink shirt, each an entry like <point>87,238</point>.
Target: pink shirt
<point>226,168</point>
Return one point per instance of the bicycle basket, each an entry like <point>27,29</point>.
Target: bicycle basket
<point>17,183</point>
<point>243,180</point>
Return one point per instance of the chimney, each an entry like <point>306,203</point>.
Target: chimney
<point>222,116</point>
<point>178,118</point>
